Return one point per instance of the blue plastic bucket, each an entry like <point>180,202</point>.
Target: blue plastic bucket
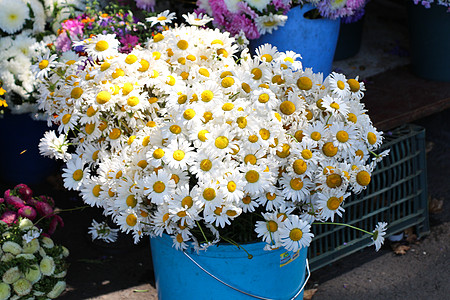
<point>20,160</point>
<point>276,274</point>
<point>314,39</point>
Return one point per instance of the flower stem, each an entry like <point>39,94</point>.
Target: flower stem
<point>237,245</point>
<point>201,230</point>
<point>57,211</point>
<point>343,224</point>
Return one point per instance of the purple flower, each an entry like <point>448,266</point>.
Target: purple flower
<point>128,41</point>
<point>44,209</point>
<point>27,212</point>
<point>13,200</point>
<point>24,191</point>
<point>9,217</point>
<point>148,5</point>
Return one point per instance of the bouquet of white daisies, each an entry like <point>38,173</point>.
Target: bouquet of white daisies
<point>182,137</point>
<point>27,32</point>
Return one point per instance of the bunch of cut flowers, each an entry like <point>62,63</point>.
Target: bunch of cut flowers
<point>253,18</point>
<point>428,3</point>
<point>112,18</point>
<point>19,202</point>
<point>32,266</point>
<point>182,137</point>
<point>27,31</point>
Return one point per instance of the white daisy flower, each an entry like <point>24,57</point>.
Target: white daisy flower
<point>195,19</point>
<point>103,231</point>
<point>179,154</point>
<point>338,84</point>
<point>295,234</point>
<point>74,174</point>
<point>162,18</point>
<point>54,146</point>
<point>160,186</point>
<point>329,203</point>
<point>378,235</point>
<point>43,65</point>
<point>101,46</point>
<point>296,188</point>
<point>269,229</point>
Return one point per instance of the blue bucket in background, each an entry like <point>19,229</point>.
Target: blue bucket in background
<point>276,274</point>
<point>314,39</point>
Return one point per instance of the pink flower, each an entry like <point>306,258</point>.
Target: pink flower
<point>9,217</point>
<point>128,41</point>
<point>24,191</point>
<point>74,27</point>
<point>2,200</point>
<point>13,200</point>
<point>47,199</point>
<point>44,209</point>
<point>27,212</point>
<point>63,42</point>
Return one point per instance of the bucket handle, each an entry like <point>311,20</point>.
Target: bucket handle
<point>243,292</point>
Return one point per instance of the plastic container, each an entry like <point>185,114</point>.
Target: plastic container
<point>276,274</point>
<point>314,39</point>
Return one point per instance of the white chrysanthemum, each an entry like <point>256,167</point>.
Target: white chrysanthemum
<point>22,287</point>
<point>195,19</point>
<point>378,235</point>
<point>101,46</point>
<point>59,287</point>
<point>5,291</point>
<point>258,4</point>
<point>47,266</point>
<point>13,15</point>
<point>11,247</point>
<point>269,229</point>
<point>33,274</point>
<point>295,234</point>
<point>266,24</point>
<point>74,173</point>
<point>160,186</point>
<point>47,242</point>
<point>11,275</point>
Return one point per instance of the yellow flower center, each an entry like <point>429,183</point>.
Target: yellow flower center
<point>161,18</point>
<point>334,180</point>
<point>131,201</point>
<point>257,73</point>
<point>299,166</point>
<point>342,136</point>
<point>354,85</point>
<point>217,42</point>
<point>221,142</point>
<point>203,72</point>
<point>227,106</point>
<point>231,186</point>
<point>272,226</point>
<point>252,176</point>
<point>222,52</point>
<point>329,149</point>
<point>77,175</point>
<point>170,80</point>
<point>202,135</point>
<point>103,97</point>
<point>253,138</point>
<point>158,153</point>
<point>187,202</point>
<point>206,165</point>
<point>207,96</point>
<point>359,153</point>
<point>250,158</point>
<point>333,203</point>
<point>334,105</point>
<point>227,82</point>
<point>295,234</point>
<point>43,64</point>
<point>146,141</point>
<point>242,122</point>
<point>66,118</point>
<point>363,178</point>
<point>371,138</point>
<point>159,187</point>
<point>144,65</point>
<point>142,164</point>
<point>182,44</point>
<point>178,155</point>
<point>271,196</point>
<point>287,107</point>
<point>278,79</point>
<point>89,128</point>
<point>246,87</point>
<point>133,101</point>
<point>127,88</point>
<point>267,57</point>
<point>96,190</point>
<point>316,136</point>
<point>101,46</point>
<point>340,84</point>
<point>264,133</point>
<point>115,133</point>
<point>296,184</point>
<point>158,37</point>
<point>175,129</point>
<point>131,59</point>
<point>304,83</point>
<point>246,200</point>
<point>105,66</point>
<point>131,220</point>
<point>286,150</point>
<point>90,111</point>
<point>189,114</point>
<point>182,214</point>
<point>263,98</point>
<point>76,92</point>
<point>299,135</point>
<point>209,194</point>
<point>352,117</point>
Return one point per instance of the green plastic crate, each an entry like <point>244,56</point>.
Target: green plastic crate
<point>397,194</point>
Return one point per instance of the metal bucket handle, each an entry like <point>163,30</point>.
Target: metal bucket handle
<point>246,293</point>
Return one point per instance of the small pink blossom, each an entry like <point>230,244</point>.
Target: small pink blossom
<point>13,200</point>
<point>44,209</point>
<point>24,191</point>
<point>27,212</point>
<point>9,217</point>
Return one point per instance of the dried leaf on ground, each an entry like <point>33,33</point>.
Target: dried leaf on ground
<point>435,205</point>
<point>307,295</point>
<point>411,237</point>
<point>400,249</point>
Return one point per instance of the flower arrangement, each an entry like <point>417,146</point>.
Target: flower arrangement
<point>32,266</point>
<point>427,4</point>
<point>182,137</point>
<point>114,18</point>
<point>19,203</point>
<point>27,30</point>
<point>256,18</point>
